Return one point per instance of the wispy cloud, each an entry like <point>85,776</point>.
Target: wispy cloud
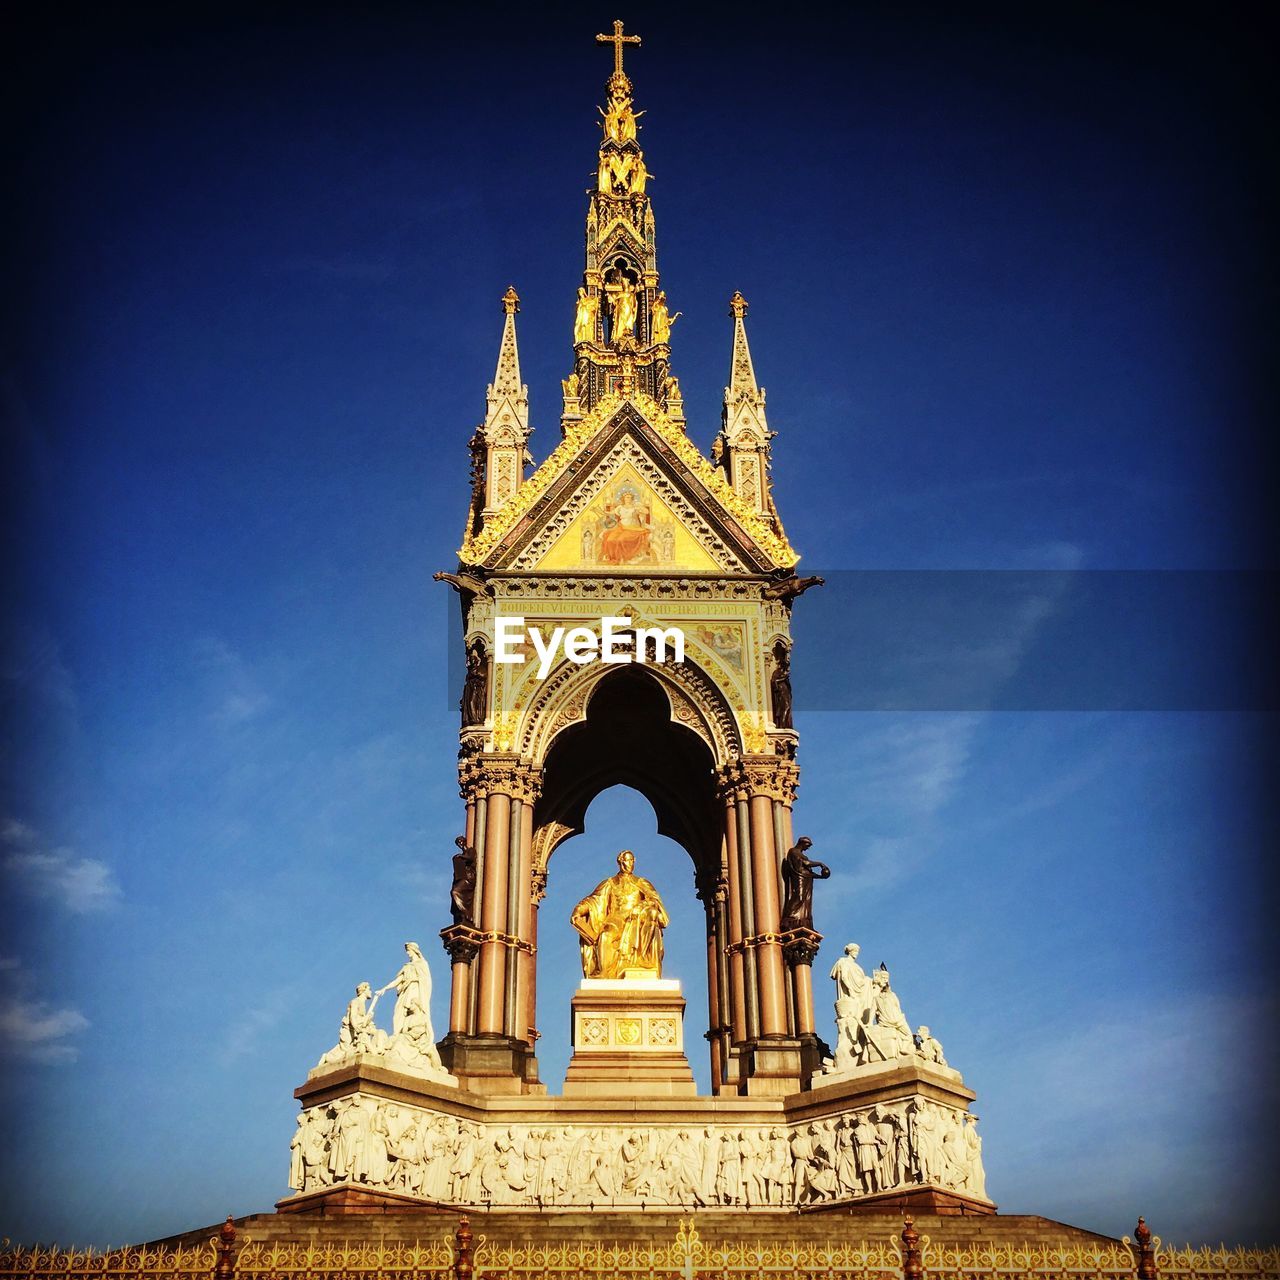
<point>911,766</point>
<point>81,885</point>
<point>907,771</point>
<point>31,1030</point>
<point>1112,1097</point>
<point>1062,785</point>
<point>237,693</point>
<point>1094,1067</point>
<point>915,764</point>
<point>244,1036</point>
<point>428,883</point>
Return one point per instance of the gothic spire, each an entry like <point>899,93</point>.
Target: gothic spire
<point>742,447</point>
<point>742,373</point>
<point>622,323</point>
<point>506,380</point>
<point>500,443</point>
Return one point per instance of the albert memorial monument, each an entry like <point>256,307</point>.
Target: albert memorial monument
<point>823,1095</point>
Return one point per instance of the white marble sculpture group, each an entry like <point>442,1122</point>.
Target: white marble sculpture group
<point>367,1141</point>
<point>870,1026</point>
<point>411,1046</point>
<point>362,1140</point>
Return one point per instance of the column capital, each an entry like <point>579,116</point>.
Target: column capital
<point>800,946</point>
<point>711,888</point>
<point>758,775</point>
<point>490,773</point>
<point>538,885</point>
<point>462,942</point>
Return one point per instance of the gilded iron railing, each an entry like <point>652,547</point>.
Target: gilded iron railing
<point>688,1257</point>
<point>1230,1264</point>
<point>1078,1261</point>
<point>685,1257</point>
<point>140,1263</point>
<point>434,1258</point>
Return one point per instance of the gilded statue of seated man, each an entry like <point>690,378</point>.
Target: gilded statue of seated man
<point>620,925</point>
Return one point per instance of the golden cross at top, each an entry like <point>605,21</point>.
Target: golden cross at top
<point>617,40</point>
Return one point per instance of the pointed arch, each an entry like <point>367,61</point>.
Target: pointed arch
<point>628,730</point>
<point>694,701</point>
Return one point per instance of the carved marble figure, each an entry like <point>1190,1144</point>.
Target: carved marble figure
<point>929,1048</point>
<point>412,985</point>
<point>976,1181</point>
<point>891,1034</point>
<point>297,1165</point>
<point>803,1152</point>
<point>358,1032</point>
<point>866,1139</point>
<point>412,1040</point>
<point>345,1141</point>
<point>371,1163</point>
<point>854,1003</point>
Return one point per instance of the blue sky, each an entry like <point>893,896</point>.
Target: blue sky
<point>1003,274</point>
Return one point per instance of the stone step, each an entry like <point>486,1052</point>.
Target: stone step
<point>523,1228</point>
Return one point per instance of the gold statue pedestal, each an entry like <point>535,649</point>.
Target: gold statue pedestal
<point>628,1040</point>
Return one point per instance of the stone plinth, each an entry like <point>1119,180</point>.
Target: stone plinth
<point>628,1040</point>
<point>385,1062</point>
<point>870,1072</point>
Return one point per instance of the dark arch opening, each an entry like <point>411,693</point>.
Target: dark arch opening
<point>628,738</point>
<point>618,817</point>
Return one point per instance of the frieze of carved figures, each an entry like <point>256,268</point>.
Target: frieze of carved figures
<point>411,1046</point>
<point>372,1142</point>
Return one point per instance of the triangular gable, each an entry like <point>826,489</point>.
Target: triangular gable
<point>705,526</point>
<point>627,524</point>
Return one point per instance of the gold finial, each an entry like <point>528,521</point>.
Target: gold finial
<point>737,305</point>
<point>617,40</point>
<point>510,301</point>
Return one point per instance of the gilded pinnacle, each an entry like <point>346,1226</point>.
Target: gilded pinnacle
<point>737,305</point>
<point>510,301</point>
